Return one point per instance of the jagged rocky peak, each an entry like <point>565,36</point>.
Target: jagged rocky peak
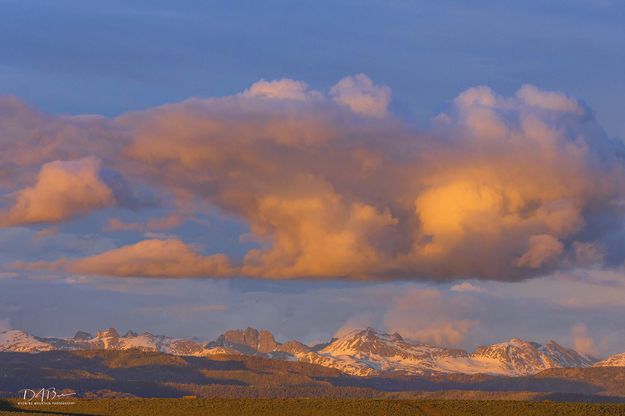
<point>363,333</point>
<point>395,336</point>
<point>366,341</point>
<point>567,357</point>
<point>513,342</point>
<point>266,341</point>
<point>108,333</point>
<point>510,350</point>
<point>82,336</point>
<point>130,334</point>
<point>373,334</point>
<point>553,345</point>
<point>322,345</point>
<point>293,347</point>
<point>261,341</point>
<point>359,338</point>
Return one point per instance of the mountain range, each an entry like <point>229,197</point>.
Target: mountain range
<point>362,352</point>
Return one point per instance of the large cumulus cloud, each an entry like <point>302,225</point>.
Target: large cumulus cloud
<point>333,185</point>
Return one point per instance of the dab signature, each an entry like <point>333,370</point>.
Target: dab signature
<point>44,394</point>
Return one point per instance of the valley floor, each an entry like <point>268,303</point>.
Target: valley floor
<point>309,407</point>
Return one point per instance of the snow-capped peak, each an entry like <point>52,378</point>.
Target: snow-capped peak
<point>616,360</point>
<point>522,357</point>
<point>20,341</point>
<point>369,351</point>
<point>369,341</point>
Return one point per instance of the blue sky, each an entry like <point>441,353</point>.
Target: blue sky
<point>85,57</point>
<point>110,59</point>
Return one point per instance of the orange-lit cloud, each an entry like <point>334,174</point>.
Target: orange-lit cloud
<point>63,190</point>
<point>332,185</point>
<point>284,89</point>
<point>542,250</point>
<point>432,316</point>
<point>582,342</point>
<point>466,287</point>
<point>148,258</point>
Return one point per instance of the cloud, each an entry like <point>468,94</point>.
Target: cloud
<point>64,189</point>
<point>582,342</point>
<point>543,249</point>
<point>183,310</point>
<point>316,235</point>
<point>363,97</point>
<point>589,253</point>
<point>331,186</point>
<point>8,275</point>
<point>282,89</point>
<point>553,101</point>
<point>354,323</point>
<point>161,223</point>
<point>466,287</point>
<point>148,258</point>
<point>449,333</point>
<point>434,316</point>
<point>47,232</point>
<point>31,138</point>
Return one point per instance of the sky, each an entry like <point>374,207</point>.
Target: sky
<point>449,171</point>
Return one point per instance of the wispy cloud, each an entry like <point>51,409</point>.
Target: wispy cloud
<point>466,287</point>
<point>147,258</point>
